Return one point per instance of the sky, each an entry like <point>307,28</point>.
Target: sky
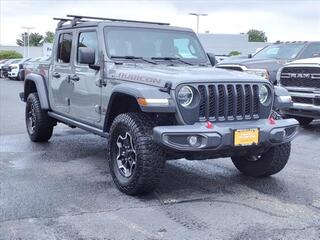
<point>284,20</point>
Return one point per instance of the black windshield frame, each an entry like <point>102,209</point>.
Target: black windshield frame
<point>192,35</point>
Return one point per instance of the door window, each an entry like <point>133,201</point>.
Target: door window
<point>88,39</point>
<point>64,48</point>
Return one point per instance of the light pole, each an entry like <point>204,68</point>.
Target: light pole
<point>198,17</point>
<point>28,32</point>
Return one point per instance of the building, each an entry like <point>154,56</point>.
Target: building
<point>223,44</point>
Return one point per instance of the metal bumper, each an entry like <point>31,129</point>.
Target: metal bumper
<point>221,135</point>
<point>303,110</point>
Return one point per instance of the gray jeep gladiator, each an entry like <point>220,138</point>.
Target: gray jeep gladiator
<point>152,91</point>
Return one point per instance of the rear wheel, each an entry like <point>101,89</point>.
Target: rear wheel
<point>39,124</point>
<point>269,163</point>
<point>135,161</point>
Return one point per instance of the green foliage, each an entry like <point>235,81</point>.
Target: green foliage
<point>48,37</point>
<point>35,39</point>
<point>234,53</point>
<point>257,36</point>
<point>9,55</point>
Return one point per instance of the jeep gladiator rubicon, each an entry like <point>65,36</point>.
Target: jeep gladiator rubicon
<point>150,89</point>
<point>268,60</point>
<point>302,79</point>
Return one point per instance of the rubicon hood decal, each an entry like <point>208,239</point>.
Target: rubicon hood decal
<point>138,78</point>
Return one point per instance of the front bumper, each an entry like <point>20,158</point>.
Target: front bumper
<point>221,135</point>
<point>13,74</point>
<point>303,110</point>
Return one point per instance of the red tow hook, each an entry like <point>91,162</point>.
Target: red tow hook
<point>209,125</point>
<point>272,121</point>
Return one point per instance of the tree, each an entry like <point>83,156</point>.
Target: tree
<point>257,36</point>
<point>9,55</point>
<point>23,39</point>
<point>48,37</point>
<point>234,53</point>
<point>35,39</point>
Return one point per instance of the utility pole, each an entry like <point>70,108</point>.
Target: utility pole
<point>198,18</point>
<point>28,32</point>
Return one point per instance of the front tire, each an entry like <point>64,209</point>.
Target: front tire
<point>39,124</point>
<point>269,163</point>
<point>136,163</point>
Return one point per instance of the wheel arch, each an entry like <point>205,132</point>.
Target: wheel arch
<point>36,83</point>
<point>120,102</point>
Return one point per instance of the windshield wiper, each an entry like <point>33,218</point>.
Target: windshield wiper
<point>172,58</point>
<point>134,58</point>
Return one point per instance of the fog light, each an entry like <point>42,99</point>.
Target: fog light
<point>193,140</point>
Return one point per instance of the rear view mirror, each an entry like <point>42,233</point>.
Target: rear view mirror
<point>86,55</point>
<point>212,59</point>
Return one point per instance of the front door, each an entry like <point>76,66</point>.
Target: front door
<point>60,88</point>
<point>86,94</point>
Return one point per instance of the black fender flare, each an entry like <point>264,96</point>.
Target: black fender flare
<point>136,91</point>
<point>41,88</point>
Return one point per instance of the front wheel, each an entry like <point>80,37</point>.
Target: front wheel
<point>269,163</point>
<point>136,163</point>
<point>39,124</point>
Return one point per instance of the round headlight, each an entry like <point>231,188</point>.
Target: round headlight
<point>185,96</point>
<point>263,94</point>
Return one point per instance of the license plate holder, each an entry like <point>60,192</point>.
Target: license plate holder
<point>246,137</point>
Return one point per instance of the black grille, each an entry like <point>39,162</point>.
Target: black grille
<point>308,77</point>
<point>222,102</point>
<point>302,100</point>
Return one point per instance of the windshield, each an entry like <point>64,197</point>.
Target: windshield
<point>154,44</point>
<point>280,51</point>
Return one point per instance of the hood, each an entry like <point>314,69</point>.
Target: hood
<point>315,60</point>
<point>158,75</point>
<point>254,62</point>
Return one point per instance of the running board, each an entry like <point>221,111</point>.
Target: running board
<point>83,126</point>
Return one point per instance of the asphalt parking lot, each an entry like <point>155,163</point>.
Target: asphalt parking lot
<point>63,190</point>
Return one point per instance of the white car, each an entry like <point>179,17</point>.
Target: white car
<point>14,69</point>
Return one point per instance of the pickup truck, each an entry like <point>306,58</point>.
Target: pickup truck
<point>153,93</point>
<point>267,61</point>
<point>302,79</point>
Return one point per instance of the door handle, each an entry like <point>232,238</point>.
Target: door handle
<point>56,75</point>
<point>74,78</point>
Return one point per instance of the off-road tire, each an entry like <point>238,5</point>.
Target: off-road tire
<point>269,163</point>
<point>43,124</point>
<point>150,158</point>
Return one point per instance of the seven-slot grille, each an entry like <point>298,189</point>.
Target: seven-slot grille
<point>223,102</point>
<point>307,77</point>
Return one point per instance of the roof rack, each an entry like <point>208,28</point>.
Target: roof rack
<point>64,20</point>
<point>74,19</point>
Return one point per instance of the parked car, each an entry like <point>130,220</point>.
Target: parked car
<point>2,63</point>
<point>152,91</point>
<point>6,67</point>
<point>302,79</point>
<point>15,68</point>
<point>267,61</point>
<point>27,64</point>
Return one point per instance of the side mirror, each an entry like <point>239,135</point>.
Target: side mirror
<point>86,55</point>
<point>212,59</point>
<point>249,55</point>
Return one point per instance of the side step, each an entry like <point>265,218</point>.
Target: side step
<point>83,126</point>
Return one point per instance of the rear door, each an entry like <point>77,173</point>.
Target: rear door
<point>60,88</point>
<point>86,94</point>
